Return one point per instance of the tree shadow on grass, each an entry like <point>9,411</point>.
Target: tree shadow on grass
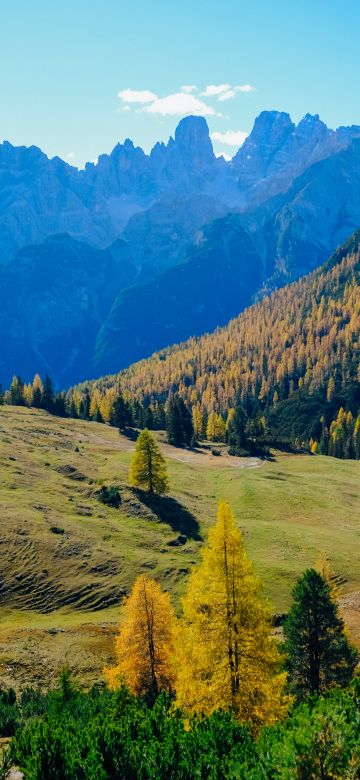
<point>170,511</point>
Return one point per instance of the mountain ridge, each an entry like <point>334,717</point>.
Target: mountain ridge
<point>40,196</point>
<point>186,218</point>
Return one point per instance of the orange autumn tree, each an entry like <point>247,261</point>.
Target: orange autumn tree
<point>226,656</point>
<point>144,645</point>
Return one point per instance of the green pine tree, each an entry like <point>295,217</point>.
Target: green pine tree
<point>17,391</point>
<point>119,417</point>
<point>236,431</point>
<point>319,654</point>
<point>179,424</point>
<point>47,396</point>
<point>86,407</point>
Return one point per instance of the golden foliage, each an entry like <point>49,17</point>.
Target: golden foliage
<point>324,567</point>
<point>301,336</point>
<point>148,468</point>
<point>226,657</point>
<point>144,646</point>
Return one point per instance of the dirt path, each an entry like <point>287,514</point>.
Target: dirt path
<point>201,456</point>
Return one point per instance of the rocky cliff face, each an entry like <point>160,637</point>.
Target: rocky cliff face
<point>277,151</point>
<point>41,197</point>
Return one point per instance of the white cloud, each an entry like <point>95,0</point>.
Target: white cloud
<point>189,88</point>
<point>227,95</point>
<point>244,88</point>
<point>137,96</point>
<point>215,89</point>
<point>225,155</point>
<point>179,104</point>
<point>70,156</point>
<point>230,137</point>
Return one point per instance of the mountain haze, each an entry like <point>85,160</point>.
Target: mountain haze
<point>102,266</point>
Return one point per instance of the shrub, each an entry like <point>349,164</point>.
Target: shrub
<point>9,713</point>
<point>109,496</point>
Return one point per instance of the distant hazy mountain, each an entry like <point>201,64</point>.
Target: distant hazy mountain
<point>105,265</point>
<point>241,256</point>
<point>277,151</point>
<point>54,298</point>
<point>40,197</point>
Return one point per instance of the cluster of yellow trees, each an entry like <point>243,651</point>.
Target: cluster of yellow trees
<point>341,439</point>
<point>220,652</point>
<point>301,336</point>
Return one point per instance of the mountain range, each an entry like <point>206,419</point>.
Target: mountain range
<point>102,266</point>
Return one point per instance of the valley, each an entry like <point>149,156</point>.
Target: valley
<point>67,559</point>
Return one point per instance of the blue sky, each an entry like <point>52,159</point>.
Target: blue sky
<point>63,65</point>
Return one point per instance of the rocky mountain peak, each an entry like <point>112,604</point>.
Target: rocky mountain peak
<point>271,126</point>
<point>192,132</point>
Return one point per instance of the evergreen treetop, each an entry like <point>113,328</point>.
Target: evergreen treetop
<point>319,654</point>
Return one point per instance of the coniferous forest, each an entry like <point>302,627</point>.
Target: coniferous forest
<point>284,373</point>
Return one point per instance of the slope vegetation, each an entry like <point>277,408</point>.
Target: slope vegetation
<point>67,559</point>
<point>286,348</point>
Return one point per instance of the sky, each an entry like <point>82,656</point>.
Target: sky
<point>78,76</point>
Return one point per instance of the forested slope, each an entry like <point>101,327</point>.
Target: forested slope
<point>294,355</point>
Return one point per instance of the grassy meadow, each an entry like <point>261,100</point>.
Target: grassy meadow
<point>67,559</point>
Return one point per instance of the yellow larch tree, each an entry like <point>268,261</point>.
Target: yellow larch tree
<point>144,645</point>
<point>226,656</point>
<point>198,421</point>
<point>37,383</point>
<point>324,567</point>
<point>95,404</point>
<point>28,394</point>
<point>215,429</point>
<point>148,468</point>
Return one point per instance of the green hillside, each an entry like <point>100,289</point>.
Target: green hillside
<point>67,559</point>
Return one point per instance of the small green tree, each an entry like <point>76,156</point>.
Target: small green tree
<point>120,416</point>
<point>148,469</point>
<point>319,654</point>
<point>179,424</point>
<point>17,391</point>
<point>47,395</point>
<point>236,431</point>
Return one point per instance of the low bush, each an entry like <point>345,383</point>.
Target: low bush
<point>9,713</point>
<point>99,735</point>
<point>109,496</point>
